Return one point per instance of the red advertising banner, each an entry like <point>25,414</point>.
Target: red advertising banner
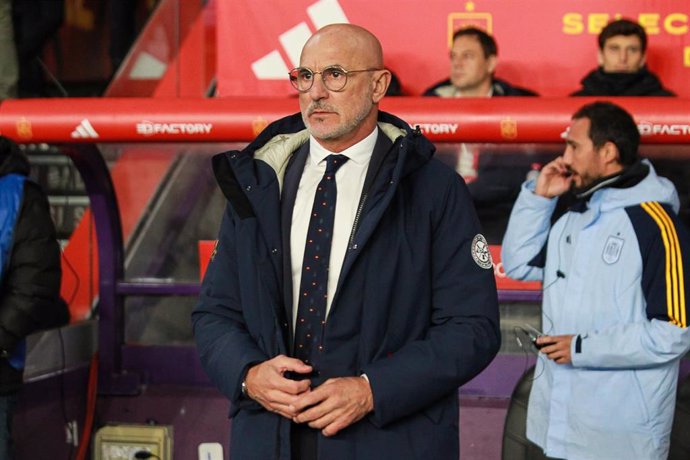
<point>544,45</point>
<point>661,120</point>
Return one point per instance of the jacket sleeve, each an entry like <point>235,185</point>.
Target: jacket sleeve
<point>224,344</point>
<point>463,336</point>
<point>30,298</point>
<point>663,336</point>
<point>527,234</point>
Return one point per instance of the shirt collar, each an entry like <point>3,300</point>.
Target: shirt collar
<point>360,153</point>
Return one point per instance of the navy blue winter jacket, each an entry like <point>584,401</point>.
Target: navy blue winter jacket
<point>415,308</point>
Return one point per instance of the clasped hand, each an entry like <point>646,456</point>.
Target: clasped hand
<point>330,407</point>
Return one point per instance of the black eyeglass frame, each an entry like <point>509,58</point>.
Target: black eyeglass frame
<point>294,74</point>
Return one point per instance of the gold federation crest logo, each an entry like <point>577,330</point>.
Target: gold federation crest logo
<point>509,128</point>
<point>259,125</point>
<point>24,130</point>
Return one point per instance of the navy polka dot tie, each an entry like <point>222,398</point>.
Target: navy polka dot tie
<point>311,310</point>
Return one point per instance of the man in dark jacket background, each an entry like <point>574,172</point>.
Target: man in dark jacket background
<point>30,276</point>
<point>622,67</point>
<point>473,61</point>
<point>408,311</point>
<point>494,179</point>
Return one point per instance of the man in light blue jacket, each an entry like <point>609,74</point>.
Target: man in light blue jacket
<point>598,227</point>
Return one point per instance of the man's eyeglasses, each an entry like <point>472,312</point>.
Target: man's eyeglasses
<point>334,77</point>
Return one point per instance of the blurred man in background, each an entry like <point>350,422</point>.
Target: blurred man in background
<point>473,61</point>
<point>29,274</point>
<point>622,67</point>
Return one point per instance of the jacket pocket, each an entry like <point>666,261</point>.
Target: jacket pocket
<point>609,401</point>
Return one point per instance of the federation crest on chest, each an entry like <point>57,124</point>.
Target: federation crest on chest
<point>612,249</point>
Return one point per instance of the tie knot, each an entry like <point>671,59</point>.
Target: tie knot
<point>334,162</point>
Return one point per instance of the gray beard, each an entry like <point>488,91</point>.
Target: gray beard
<point>339,130</point>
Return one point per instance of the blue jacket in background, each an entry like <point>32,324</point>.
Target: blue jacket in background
<point>11,194</point>
<point>30,259</point>
<point>616,274</point>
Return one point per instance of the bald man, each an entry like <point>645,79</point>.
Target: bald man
<point>351,292</point>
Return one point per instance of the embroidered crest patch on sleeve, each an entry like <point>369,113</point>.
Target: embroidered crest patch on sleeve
<point>480,252</point>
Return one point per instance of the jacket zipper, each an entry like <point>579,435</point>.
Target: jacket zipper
<point>355,224</point>
<point>360,208</point>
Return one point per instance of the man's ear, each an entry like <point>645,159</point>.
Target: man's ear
<point>380,82</point>
<point>611,153</point>
<point>600,58</point>
<point>491,63</point>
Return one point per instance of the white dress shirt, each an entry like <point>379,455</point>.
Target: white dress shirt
<point>350,181</point>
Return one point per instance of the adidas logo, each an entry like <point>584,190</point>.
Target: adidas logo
<point>84,130</point>
<point>272,66</point>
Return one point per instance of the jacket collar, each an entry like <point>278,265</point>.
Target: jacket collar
<point>577,200</point>
<point>640,83</point>
<point>276,145</point>
<point>627,177</point>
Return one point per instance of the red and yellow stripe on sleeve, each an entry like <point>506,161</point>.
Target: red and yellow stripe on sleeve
<point>675,284</point>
